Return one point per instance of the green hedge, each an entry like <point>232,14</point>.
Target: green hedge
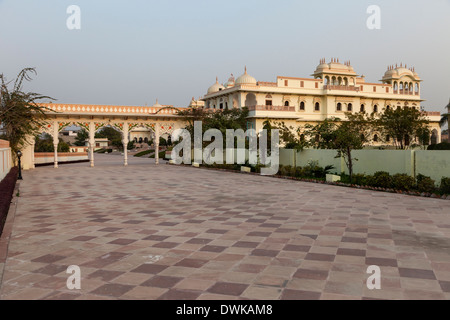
<point>143,153</point>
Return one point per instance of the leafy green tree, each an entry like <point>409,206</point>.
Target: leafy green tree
<point>44,143</point>
<point>235,118</point>
<point>292,138</point>
<point>112,135</point>
<point>82,136</point>
<point>343,136</point>
<point>322,135</point>
<point>403,124</point>
<point>21,115</point>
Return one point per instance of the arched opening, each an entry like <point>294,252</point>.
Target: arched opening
<point>375,108</point>
<point>250,100</point>
<point>350,107</point>
<point>317,106</point>
<point>345,81</point>
<point>434,136</point>
<point>395,87</point>
<point>327,80</point>
<point>141,140</point>
<point>375,138</point>
<point>340,81</point>
<point>388,138</point>
<point>302,106</point>
<point>362,109</point>
<point>388,107</point>
<point>333,81</point>
<point>339,107</point>
<point>286,103</point>
<point>146,140</point>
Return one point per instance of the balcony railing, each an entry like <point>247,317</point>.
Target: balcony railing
<point>346,88</point>
<point>272,108</point>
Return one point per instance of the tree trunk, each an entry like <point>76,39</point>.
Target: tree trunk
<point>350,164</point>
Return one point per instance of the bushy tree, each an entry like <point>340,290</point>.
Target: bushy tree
<point>235,118</point>
<point>44,143</point>
<point>402,124</point>
<point>21,115</point>
<point>82,136</point>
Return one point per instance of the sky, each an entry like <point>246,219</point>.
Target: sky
<point>134,52</point>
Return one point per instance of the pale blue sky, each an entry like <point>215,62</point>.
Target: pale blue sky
<point>132,52</point>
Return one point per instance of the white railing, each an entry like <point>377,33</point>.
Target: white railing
<point>5,159</point>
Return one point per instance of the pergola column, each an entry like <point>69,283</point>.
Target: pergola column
<point>91,142</point>
<point>55,143</point>
<point>157,143</point>
<point>125,143</point>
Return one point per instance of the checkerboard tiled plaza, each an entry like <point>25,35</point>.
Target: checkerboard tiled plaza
<point>167,232</point>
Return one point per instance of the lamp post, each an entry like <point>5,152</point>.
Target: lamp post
<point>19,155</point>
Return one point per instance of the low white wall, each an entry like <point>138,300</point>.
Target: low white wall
<point>5,162</point>
<point>44,158</point>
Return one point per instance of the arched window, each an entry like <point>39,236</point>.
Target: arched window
<point>375,108</point>
<point>375,138</point>
<point>146,140</point>
<point>250,100</point>
<point>286,103</point>
<point>395,86</point>
<point>268,100</point>
<point>349,107</point>
<point>362,109</point>
<point>317,106</point>
<point>417,87</point>
<point>434,136</point>
<point>388,107</point>
<point>339,107</point>
<point>388,138</point>
<point>302,106</point>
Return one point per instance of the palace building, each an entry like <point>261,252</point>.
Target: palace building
<point>333,89</point>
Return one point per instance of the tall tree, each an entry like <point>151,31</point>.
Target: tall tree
<point>82,136</point>
<point>403,124</point>
<point>352,134</point>
<point>21,116</point>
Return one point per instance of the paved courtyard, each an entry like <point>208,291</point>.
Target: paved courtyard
<point>167,232</point>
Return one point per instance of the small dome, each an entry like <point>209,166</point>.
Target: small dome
<point>215,87</point>
<point>231,82</point>
<point>245,79</point>
<point>396,72</point>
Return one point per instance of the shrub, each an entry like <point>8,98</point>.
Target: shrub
<point>285,170</point>
<point>380,179</point>
<point>359,179</point>
<point>440,146</point>
<point>445,185</point>
<point>425,184</point>
<point>403,182</point>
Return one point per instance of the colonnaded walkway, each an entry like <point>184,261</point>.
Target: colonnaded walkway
<point>167,232</point>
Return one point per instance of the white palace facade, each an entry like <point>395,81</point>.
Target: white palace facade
<point>333,89</point>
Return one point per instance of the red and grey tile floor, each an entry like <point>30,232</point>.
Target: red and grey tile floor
<point>167,232</point>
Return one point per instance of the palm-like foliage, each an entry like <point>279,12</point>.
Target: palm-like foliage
<point>20,114</point>
<point>445,117</point>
